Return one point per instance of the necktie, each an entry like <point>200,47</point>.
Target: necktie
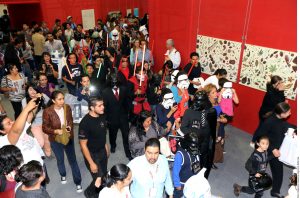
<point>116,93</point>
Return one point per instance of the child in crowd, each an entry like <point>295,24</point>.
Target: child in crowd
<point>154,92</point>
<point>227,97</point>
<point>256,165</point>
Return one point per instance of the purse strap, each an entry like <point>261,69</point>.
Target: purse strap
<point>65,115</point>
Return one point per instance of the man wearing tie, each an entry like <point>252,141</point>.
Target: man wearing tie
<point>116,109</point>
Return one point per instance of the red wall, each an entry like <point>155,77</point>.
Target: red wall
<point>272,24</point>
<point>22,13</point>
<point>52,9</point>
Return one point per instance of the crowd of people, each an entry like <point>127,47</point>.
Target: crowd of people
<point>171,117</point>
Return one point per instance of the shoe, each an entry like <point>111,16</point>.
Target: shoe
<point>213,166</point>
<point>78,189</point>
<point>112,150</point>
<point>224,152</point>
<point>237,189</point>
<point>63,180</point>
<point>276,195</point>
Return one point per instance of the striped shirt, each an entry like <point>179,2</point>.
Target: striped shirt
<point>19,94</point>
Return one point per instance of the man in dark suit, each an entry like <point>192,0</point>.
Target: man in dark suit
<point>116,109</point>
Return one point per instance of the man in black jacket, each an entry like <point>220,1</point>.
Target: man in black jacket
<point>116,109</point>
<point>13,54</point>
<point>201,118</point>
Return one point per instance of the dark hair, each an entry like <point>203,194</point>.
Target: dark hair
<point>153,142</point>
<point>79,25</point>
<point>9,67</point>
<point>264,137</point>
<point>37,29</point>
<point>90,65</point>
<point>220,72</point>
<point>274,80</point>
<point>178,74</point>
<point>222,81</point>
<point>118,172</point>
<point>165,91</point>
<point>194,54</point>
<point>18,40</point>
<point>57,20</point>
<point>93,101</point>
<point>84,75</point>
<point>2,117</point>
<point>10,159</point>
<point>140,130</point>
<point>168,64</point>
<point>68,62</point>
<point>54,96</point>
<point>29,173</point>
<point>282,107</point>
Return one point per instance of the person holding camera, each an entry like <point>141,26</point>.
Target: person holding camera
<point>36,127</point>
<point>58,123</point>
<point>49,68</point>
<point>86,91</point>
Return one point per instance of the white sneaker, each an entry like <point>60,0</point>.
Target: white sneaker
<point>252,145</point>
<point>63,180</point>
<point>78,188</point>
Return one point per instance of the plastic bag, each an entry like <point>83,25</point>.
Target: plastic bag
<point>289,149</point>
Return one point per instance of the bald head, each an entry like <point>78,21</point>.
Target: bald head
<point>170,43</point>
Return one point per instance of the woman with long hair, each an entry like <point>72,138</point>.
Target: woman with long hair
<point>273,96</point>
<point>14,84</point>
<point>144,129</point>
<point>117,182</point>
<point>136,49</point>
<point>57,119</point>
<point>36,126</point>
<point>49,68</point>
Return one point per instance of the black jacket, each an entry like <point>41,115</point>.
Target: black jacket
<point>271,99</point>
<point>115,109</point>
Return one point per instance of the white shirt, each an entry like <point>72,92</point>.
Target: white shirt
<point>29,146</point>
<point>61,114</point>
<point>212,80</point>
<point>150,180</point>
<point>175,57</point>
<point>113,192</point>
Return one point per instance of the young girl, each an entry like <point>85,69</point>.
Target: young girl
<point>256,165</point>
<point>31,175</point>
<point>227,97</point>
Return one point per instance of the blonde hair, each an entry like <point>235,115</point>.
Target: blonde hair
<point>208,88</point>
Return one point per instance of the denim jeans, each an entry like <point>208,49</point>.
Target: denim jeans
<point>58,150</point>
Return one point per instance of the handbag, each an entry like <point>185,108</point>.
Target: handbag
<point>218,157</point>
<point>289,149</point>
<point>263,182</point>
<point>64,138</point>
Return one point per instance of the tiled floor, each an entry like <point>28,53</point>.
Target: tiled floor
<point>221,180</point>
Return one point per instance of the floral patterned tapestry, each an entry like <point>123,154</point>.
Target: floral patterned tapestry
<point>260,63</point>
<point>218,53</point>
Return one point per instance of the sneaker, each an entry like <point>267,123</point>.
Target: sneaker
<point>237,189</point>
<point>252,145</point>
<point>224,152</point>
<point>63,180</point>
<point>78,189</point>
